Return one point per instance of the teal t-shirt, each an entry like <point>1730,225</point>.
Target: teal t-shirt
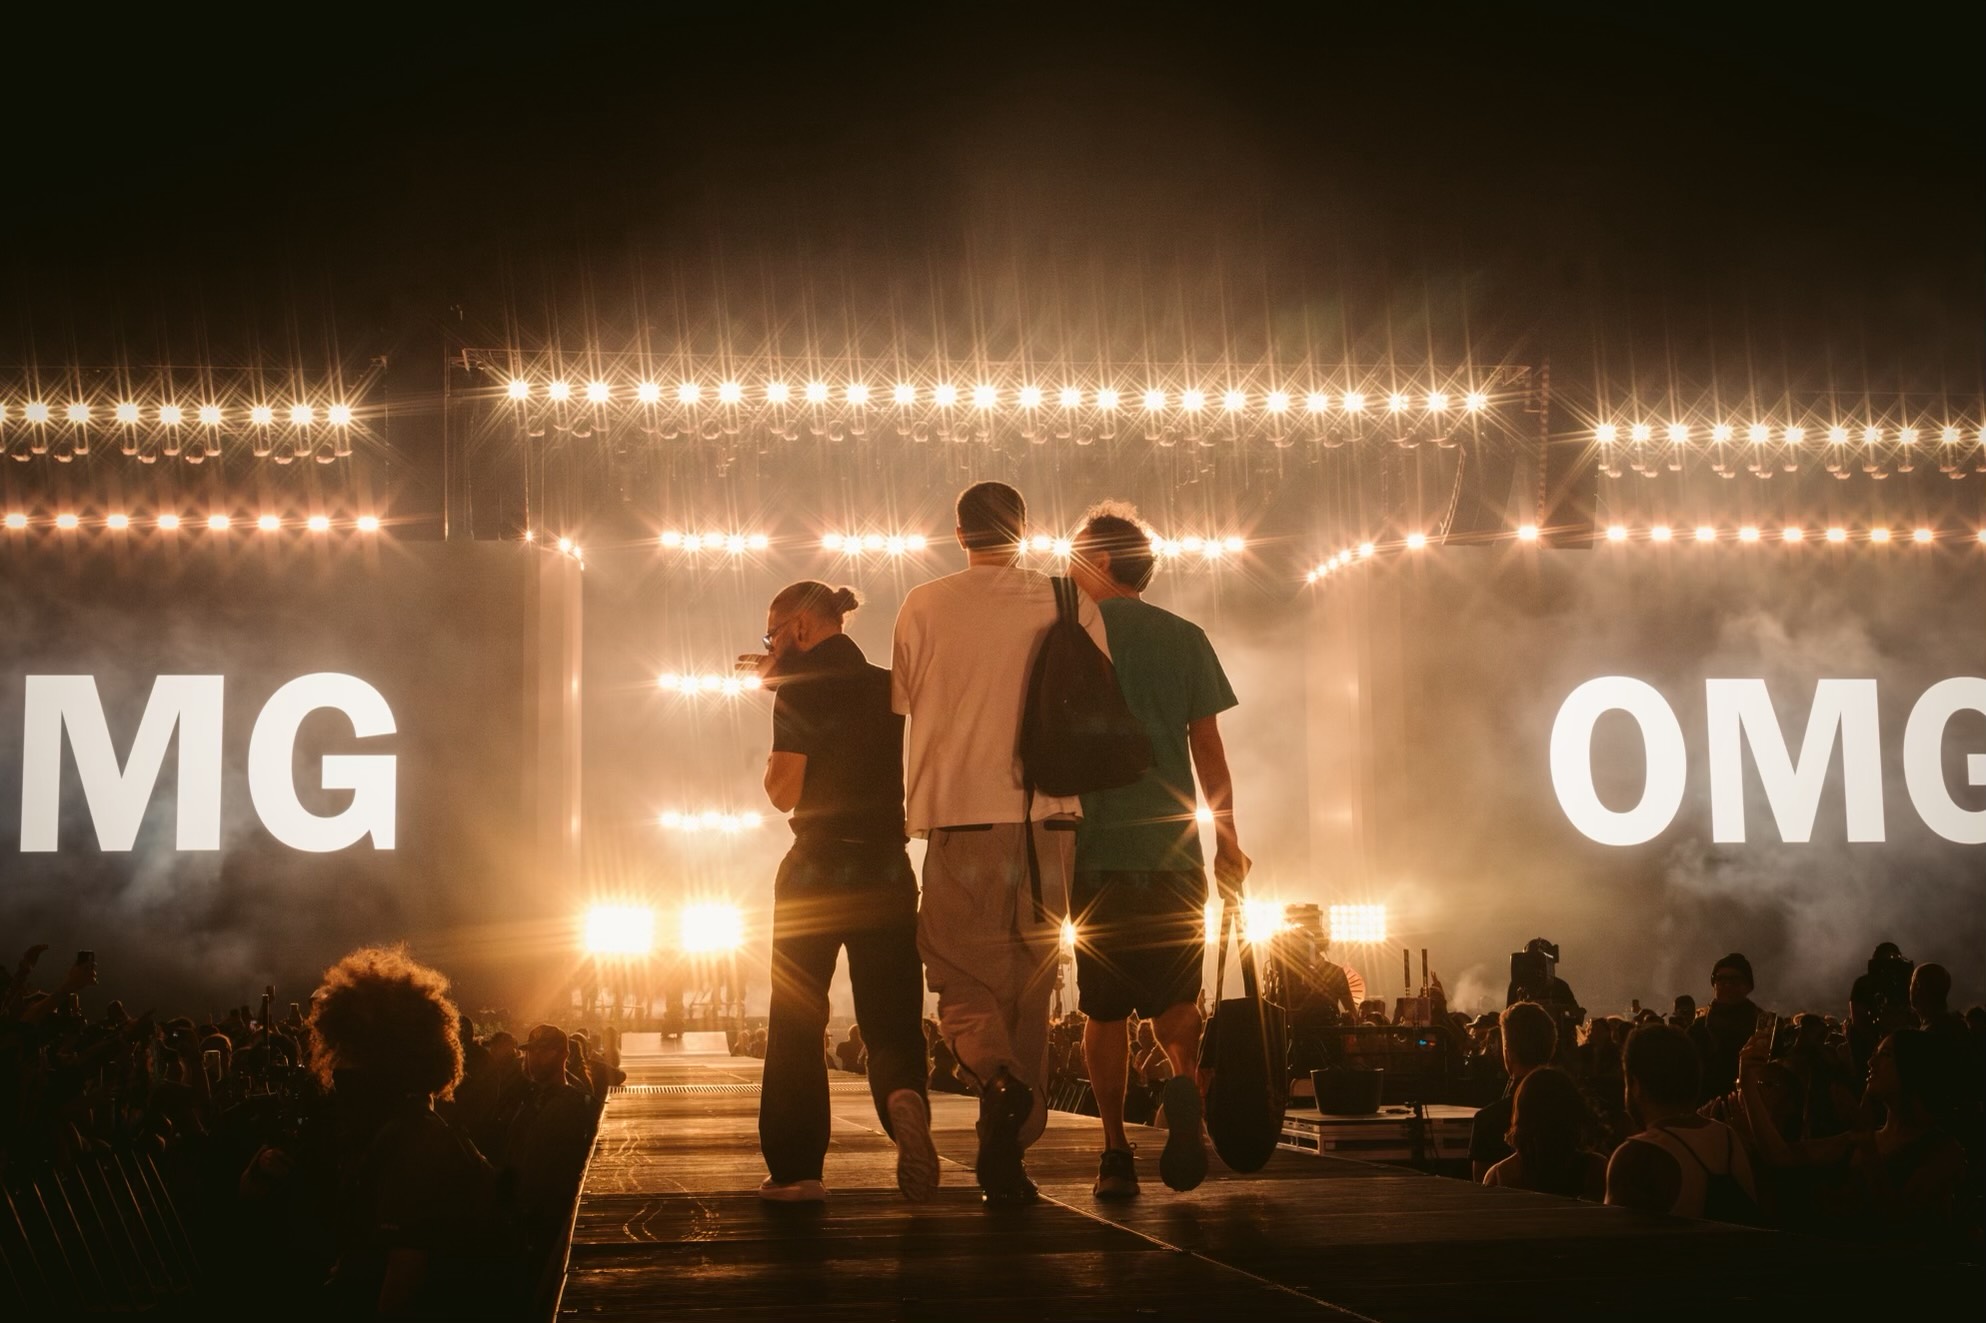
<point>1169,676</point>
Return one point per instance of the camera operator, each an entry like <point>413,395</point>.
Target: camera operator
<point>1879,1002</point>
<point>1534,978</point>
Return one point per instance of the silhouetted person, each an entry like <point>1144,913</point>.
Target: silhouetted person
<point>1530,1041</point>
<point>1679,1162</point>
<point>1724,1030</point>
<point>1548,1131</point>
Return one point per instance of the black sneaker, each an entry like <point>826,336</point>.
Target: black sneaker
<point>1004,1104</point>
<point>1183,1165</point>
<point>1116,1175</point>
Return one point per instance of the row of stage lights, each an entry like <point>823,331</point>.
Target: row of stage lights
<point>170,522</point>
<point>986,395</point>
<point>1663,535</point>
<point>912,544</point>
<point>709,684</point>
<point>707,929</point>
<point>128,413</point>
<point>1759,434</point>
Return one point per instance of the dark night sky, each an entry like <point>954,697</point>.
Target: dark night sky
<point>1775,193</point>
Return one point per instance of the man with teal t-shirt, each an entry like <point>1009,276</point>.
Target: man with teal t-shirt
<point>1140,891</point>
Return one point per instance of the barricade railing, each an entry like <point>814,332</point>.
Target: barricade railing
<point>101,1234</point>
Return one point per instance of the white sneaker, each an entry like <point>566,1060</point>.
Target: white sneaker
<point>916,1156</point>
<point>793,1192</point>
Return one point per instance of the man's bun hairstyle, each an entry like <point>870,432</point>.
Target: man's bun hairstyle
<point>817,599</point>
<point>991,516</point>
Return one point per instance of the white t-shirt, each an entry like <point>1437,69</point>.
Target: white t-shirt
<point>959,670</point>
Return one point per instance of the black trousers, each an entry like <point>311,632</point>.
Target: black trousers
<point>827,897</point>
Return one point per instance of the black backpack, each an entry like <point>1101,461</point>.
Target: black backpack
<point>1078,735</point>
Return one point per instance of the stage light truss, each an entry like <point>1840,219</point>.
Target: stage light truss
<point>1660,535</point>
<point>708,398</point>
<point>173,521</point>
<point>188,415</point>
<point>1898,438</point>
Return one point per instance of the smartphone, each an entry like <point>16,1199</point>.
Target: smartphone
<point>210,1062</point>
<point>1637,1005</point>
<point>1768,1024</point>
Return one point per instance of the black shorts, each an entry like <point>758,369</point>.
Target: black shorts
<point>1140,942</point>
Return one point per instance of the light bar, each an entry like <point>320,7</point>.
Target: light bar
<point>1356,924</point>
<point>619,930</point>
<point>710,929</point>
<point>709,821</point>
<point>707,684</point>
<point>734,544</point>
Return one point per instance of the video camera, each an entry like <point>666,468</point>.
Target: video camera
<point>1533,972</point>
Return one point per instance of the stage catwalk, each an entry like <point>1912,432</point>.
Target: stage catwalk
<point>669,1226</point>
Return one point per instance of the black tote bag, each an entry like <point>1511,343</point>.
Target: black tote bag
<point>1247,1051</point>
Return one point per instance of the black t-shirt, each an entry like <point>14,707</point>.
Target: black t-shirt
<point>834,707</point>
<point>1486,1133</point>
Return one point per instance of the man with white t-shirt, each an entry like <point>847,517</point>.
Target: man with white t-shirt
<point>964,647</point>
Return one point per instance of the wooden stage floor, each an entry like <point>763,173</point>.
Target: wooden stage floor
<point>670,1227</point>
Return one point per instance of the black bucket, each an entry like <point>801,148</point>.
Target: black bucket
<point>1343,1092</point>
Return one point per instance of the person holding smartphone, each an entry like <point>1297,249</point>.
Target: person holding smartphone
<point>837,766</point>
<point>1721,1034</point>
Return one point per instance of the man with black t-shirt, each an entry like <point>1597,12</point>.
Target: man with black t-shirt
<point>837,764</point>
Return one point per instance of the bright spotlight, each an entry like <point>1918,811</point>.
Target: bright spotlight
<point>903,393</point>
<point>1705,533</point>
<point>1616,532</point>
<point>915,542</point>
<point>1029,397</point>
<point>1276,401</point>
<point>1872,434</point>
<point>518,389</point>
<point>1365,550</point>
<point>735,544</point>
<point>1262,919</point>
<point>1396,402</point>
<point>217,522</point>
<point>1203,815</point>
<point>318,524</point>
<point>671,539</point>
<point>872,542</point>
<point>1837,535</point>
<point>268,523</point>
<point>262,415</point>
<point>1069,397</point>
<point>1191,543</point>
<point>1907,436</point>
<point>1154,400</point>
<point>1921,535</point>
<point>1721,432</point>
<point>1192,400</point>
<point>816,392</point>
<point>688,392</point>
<point>1317,402</point>
<point>1354,401</point>
<point>1949,436</point>
<point>1234,543</point>
<point>77,412</point>
<point>125,412</point>
<point>565,544</point>
<point>339,415</point>
<point>777,392</point>
<point>1795,435</point>
<point>1605,433</point>
<point>370,524</point>
<point>560,391</point>
<point>1837,436</point>
<point>16,520</point>
<point>1437,401</point>
<point>1068,936</point>
<point>984,396</point>
<point>830,542</point>
<point>1660,533</point>
<point>730,392</point>
<point>710,929</point>
<point>944,395</point>
<point>117,522</point>
<point>1758,434</point>
<point>1233,401</point>
<point>758,542</point>
<point>1748,534</point>
<point>1106,398</point>
<point>1040,543</point>
<point>210,415</point>
<point>1640,432</point>
<point>1475,401</point>
<point>855,393</point>
<point>1527,532</point>
<point>1791,534</point>
<point>168,522</point>
<point>1358,923</point>
<point>1678,433</point>
<point>66,521</point>
<point>1416,541</point>
<point>893,546</point>
<point>171,415</point>
<point>598,392</point>
<point>35,412</point>
<point>622,930</point>
<point>1061,546</point>
<point>302,415</point>
<point>1879,535</point>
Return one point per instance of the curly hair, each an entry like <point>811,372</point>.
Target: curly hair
<point>383,1012</point>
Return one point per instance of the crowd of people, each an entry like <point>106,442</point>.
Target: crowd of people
<point>362,1154</point>
<point>1870,1125</point>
